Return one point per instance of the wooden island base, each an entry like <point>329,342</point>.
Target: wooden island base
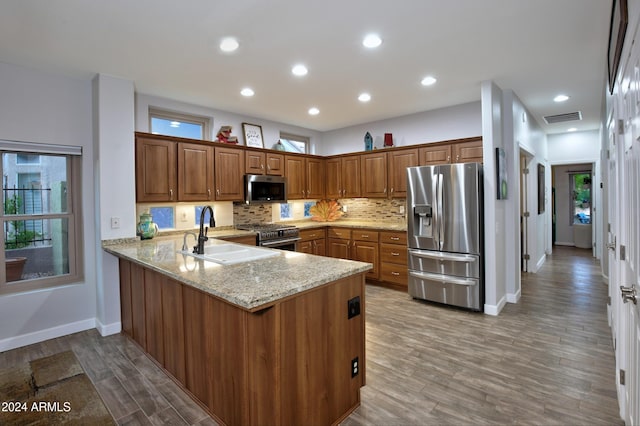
<point>288,363</point>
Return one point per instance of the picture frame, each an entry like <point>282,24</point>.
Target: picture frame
<point>617,31</point>
<point>501,174</point>
<point>540,189</point>
<point>252,135</point>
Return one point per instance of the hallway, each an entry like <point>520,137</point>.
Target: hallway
<point>547,360</point>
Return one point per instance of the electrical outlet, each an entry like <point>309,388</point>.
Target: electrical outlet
<point>355,367</point>
<point>115,222</point>
<point>353,307</point>
<point>344,209</point>
<point>401,209</point>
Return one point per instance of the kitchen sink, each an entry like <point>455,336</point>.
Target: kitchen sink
<point>229,254</point>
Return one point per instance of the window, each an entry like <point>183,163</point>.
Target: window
<point>581,197</point>
<point>40,219</point>
<point>293,143</point>
<point>176,124</point>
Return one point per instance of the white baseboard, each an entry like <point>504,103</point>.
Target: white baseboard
<point>560,243</point>
<point>49,333</point>
<point>495,309</point>
<point>108,329</point>
<point>514,297</point>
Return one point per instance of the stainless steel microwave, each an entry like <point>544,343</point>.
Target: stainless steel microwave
<point>265,189</point>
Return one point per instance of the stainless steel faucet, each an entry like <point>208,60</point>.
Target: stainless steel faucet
<point>184,239</point>
<point>202,236</point>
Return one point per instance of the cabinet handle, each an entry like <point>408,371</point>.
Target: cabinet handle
<point>448,158</point>
<point>312,235</point>
<point>385,190</point>
<point>393,253</point>
<point>395,273</point>
<point>394,238</point>
<point>262,166</point>
<point>209,192</point>
<point>457,157</point>
<point>364,236</point>
<point>392,190</point>
<point>218,192</point>
<point>171,194</point>
<point>268,167</point>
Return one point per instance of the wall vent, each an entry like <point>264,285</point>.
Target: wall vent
<point>561,118</point>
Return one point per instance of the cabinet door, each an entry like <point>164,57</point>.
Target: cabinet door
<point>338,248</point>
<point>351,176</point>
<point>195,172</point>
<point>333,169</point>
<point>367,252</point>
<point>374,175</point>
<point>468,152</point>
<point>254,162</point>
<point>315,178</point>
<point>275,164</point>
<point>320,247</point>
<point>304,247</point>
<point>228,170</point>
<point>398,163</point>
<point>295,173</point>
<point>433,155</point>
<point>155,170</point>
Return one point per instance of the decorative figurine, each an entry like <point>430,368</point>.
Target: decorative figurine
<point>368,142</point>
<point>146,229</point>
<point>224,135</point>
<point>388,140</point>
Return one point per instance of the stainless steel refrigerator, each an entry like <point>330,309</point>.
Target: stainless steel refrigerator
<point>446,234</point>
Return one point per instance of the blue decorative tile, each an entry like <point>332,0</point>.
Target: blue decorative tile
<point>307,207</point>
<point>163,217</point>
<point>285,211</point>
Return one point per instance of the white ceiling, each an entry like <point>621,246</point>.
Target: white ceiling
<point>537,48</point>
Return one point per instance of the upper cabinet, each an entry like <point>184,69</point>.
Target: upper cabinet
<point>432,155</point>
<point>261,163</point>
<point>468,152</point>
<point>229,167</point>
<point>374,175</point>
<point>398,163</point>
<point>305,177</point>
<point>156,161</point>
<point>463,151</point>
<point>195,172</point>
<point>343,177</point>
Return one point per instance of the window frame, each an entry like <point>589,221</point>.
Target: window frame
<point>205,122</point>
<point>297,138</point>
<point>73,215</point>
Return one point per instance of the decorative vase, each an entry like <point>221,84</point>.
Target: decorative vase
<point>368,142</point>
<point>14,267</point>
<point>146,229</point>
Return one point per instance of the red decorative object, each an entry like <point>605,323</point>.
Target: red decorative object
<point>224,135</point>
<point>388,139</point>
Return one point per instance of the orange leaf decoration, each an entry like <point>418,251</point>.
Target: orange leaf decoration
<point>326,211</point>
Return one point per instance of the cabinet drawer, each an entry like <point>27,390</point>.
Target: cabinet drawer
<point>311,234</point>
<point>364,235</point>
<point>341,233</point>
<point>392,253</point>
<point>394,273</point>
<point>394,237</point>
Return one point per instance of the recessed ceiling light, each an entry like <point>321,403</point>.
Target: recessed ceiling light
<point>371,41</point>
<point>428,81</point>
<point>314,111</point>
<point>229,44</point>
<point>364,97</point>
<point>247,91</point>
<point>299,70</point>
<point>561,98</point>
<point>571,129</point>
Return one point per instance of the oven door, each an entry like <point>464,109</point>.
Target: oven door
<point>286,244</point>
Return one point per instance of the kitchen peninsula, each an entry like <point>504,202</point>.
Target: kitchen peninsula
<point>273,341</point>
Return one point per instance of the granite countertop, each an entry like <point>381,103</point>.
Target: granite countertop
<point>250,285</point>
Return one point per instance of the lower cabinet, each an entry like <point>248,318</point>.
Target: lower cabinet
<point>355,244</point>
<point>285,364</point>
<point>393,258</point>
<point>312,241</point>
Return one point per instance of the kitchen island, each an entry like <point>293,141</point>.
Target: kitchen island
<point>273,341</point>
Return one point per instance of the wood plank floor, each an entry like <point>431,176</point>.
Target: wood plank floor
<point>547,360</point>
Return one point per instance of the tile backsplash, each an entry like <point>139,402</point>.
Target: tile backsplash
<point>380,209</point>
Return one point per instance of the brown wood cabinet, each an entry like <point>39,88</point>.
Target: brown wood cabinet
<point>156,168</point>
<point>393,258</point>
<point>468,152</point>
<point>343,177</point>
<point>261,163</point>
<point>195,172</point>
<point>461,151</point>
<point>232,359</point>
<point>229,164</point>
<point>312,241</point>
<point>398,163</point>
<point>355,244</point>
<point>305,177</point>
<point>433,155</point>
<point>373,169</point>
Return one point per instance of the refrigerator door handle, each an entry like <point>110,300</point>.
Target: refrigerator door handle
<point>444,279</point>
<point>444,256</point>
<point>440,212</point>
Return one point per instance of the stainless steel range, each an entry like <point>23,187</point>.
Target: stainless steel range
<point>274,235</point>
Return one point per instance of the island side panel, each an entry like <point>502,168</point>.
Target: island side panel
<point>138,305</point>
<point>153,314</point>
<point>173,327</point>
<point>197,359</point>
<point>318,343</point>
<point>125,298</point>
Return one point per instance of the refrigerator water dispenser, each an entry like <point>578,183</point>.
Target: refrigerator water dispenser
<point>423,214</point>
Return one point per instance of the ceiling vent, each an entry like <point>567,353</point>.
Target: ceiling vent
<point>561,118</point>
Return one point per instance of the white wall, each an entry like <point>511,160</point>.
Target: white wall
<point>47,108</point>
<point>456,122</point>
<point>270,130</point>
